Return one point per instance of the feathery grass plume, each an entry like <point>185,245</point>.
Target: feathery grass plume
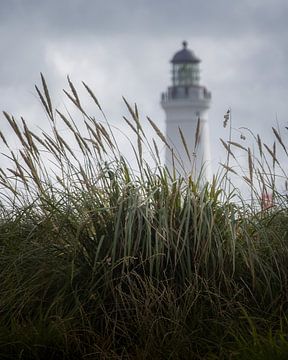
<point>131,125</point>
<point>97,136</point>
<point>134,114</point>
<point>235,144</point>
<point>82,144</point>
<point>94,143</point>
<point>250,165</point>
<point>263,183</point>
<point>92,95</point>
<point>74,92</point>
<point>64,145</point>
<point>228,148</point>
<point>15,128</point>
<point>19,175</point>
<point>74,101</point>
<point>30,141</point>
<point>184,143</point>
<point>47,96</point>
<point>272,153</point>
<point>45,99</point>
<point>18,166</point>
<point>51,143</point>
<point>156,151</point>
<point>26,156</point>
<point>10,188</point>
<point>4,139</point>
<point>103,131</point>
<point>139,139</point>
<point>65,120</point>
<point>159,133</point>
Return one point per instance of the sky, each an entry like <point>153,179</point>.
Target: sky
<point>123,48</point>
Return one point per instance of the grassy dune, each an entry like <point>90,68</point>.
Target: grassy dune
<point>101,261</point>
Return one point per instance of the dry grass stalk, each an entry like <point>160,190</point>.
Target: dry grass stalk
<point>278,137</point>
<point>159,133</point>
<point>227,147</point>
<point>156,150</point>
<point>197,134</point>
<point>274,152</point>
<point>247,180</point>
<point>259,142</point>
<point>4,139</point>
<point>228,168</point>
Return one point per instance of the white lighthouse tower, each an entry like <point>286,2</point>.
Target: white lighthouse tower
<point>186,103</point>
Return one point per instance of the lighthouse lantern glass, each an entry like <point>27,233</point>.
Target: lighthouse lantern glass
<point>185,74</point>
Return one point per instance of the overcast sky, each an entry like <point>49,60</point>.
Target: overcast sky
<point>124,48</point>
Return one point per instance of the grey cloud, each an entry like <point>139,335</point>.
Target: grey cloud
<point>216,18</point>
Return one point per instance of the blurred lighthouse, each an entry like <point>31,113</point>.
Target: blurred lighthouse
<point>186,104</point>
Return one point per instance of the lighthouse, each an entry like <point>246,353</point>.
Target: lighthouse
<point>186,104</point>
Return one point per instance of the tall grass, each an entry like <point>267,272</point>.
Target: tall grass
<point>99,261</point>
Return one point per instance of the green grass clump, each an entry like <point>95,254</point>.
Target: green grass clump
<point>102,261</point>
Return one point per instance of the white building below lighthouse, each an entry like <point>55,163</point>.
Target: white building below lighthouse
<point>186,104</point>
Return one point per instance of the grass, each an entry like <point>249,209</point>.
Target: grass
<point>101,261</point>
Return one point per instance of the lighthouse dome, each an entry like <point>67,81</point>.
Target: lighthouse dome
<point>185,56</point>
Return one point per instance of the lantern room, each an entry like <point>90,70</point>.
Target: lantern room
<point>185,68</point>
